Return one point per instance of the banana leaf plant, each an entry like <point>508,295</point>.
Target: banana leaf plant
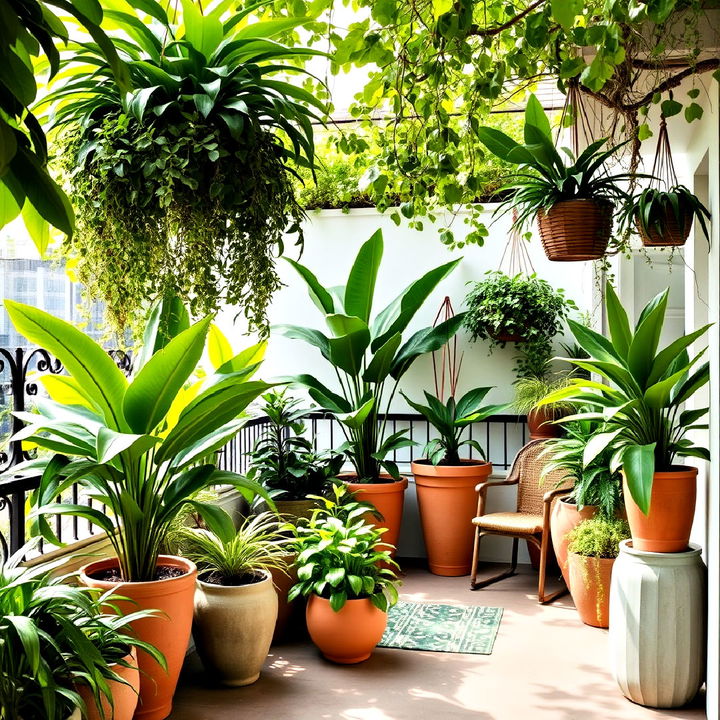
<point>645,425</point>
<point>141,447</point>
<point>367,354</point>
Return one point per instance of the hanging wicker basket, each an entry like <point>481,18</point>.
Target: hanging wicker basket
<point>673,234</point>
<point>574,230</point>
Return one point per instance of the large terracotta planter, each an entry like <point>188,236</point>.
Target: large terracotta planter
<point>658,628</point>
<point>666,528</point>
<point>573,230</point>
<point>233,628</point>
<point>565,517</point>
<point>125,697</point>
<point>590,587</point>
<point>448,502</point>
<point>540,423</point>
<point>348,636</point>
<point>388,498</point>
<point>169,631</point>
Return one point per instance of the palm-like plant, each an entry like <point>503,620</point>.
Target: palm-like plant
<point>186,180</point>
<point>54,635</point>
<point>368,356</point>
<point>228,556</point>
<point>642,407</point>
<point>544,177</point>
<point>142,448</point>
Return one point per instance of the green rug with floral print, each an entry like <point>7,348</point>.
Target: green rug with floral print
<point>442,628</point>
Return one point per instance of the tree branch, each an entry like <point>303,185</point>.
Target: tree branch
<point>477,31</point>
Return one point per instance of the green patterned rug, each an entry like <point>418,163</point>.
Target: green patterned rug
<point>442,628</point>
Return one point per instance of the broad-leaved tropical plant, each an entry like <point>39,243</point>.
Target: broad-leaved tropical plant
<point>185,182</point>
<point>544,177</point>
<point>367,354</point>
<point>642,405</point>
<point>339,555</point>
<point>141,447</point>
<point>451,419</point>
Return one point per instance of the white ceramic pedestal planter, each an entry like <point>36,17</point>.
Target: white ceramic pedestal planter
<point>657,625</point>
<point>233,628</point>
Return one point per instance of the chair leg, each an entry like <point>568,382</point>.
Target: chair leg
<point>476,551</point>
<point>474,585</point>
<point>543,599</point>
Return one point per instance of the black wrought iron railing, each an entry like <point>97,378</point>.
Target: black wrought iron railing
<point>501,436</point>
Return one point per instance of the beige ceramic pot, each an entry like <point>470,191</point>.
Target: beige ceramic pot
<point>233,628</point>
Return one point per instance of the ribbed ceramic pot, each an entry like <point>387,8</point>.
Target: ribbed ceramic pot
<point>233,627</point>
<point>657,625</point>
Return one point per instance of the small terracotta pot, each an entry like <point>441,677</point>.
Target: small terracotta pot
<point>233,628</point>
<point>348,636</point>
<point>590,587</point>
<point>388,498</point>
<point>540,423</point>
<point>666,528</point>
<point>448,502</point>
<point>283,580</point>
<point>565,517</point>
<point>124,697</point>
<point>169,631</point>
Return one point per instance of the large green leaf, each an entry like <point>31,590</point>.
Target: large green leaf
<point>154,388</point>
<point>595,344</point>
<point>110,444</point>
<point>472,401</point>
<point>535,117</point>
<point>82,357</point>
<point>424,341</point>
<point>665,358</point>
<point>309,335</point>
<point>618,322</point>
<point>347,350</point>
<point>355,419</point>
<point>360,287</point>
<point>379,367</point>
<point>318,294</point>
<point>322,394</point>
<point>398,314</point>
<point>639,467</point>
<point>647,336</point>
<point>168,318</point>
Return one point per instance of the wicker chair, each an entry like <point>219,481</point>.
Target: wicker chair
<point>530,522</point>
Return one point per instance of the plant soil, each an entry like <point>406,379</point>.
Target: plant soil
<point>442,463</point>
<point>112,575</point>
<point>216,578</point>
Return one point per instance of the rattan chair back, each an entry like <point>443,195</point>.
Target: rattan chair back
<point>528,467</point>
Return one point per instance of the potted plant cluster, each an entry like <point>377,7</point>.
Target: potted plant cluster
<point>348,576</point>
<point>574,200</point>
<point>184,182</point>
<point>235,602</point>
<point>529,391</point>
<point>592,548</point>
<point>141,447</point>
<point>596,488</point>
<point>368,356</point>
<point>63,647</point>
<point>445,482</point>
<point>284,460</point>
<point>645,430</point>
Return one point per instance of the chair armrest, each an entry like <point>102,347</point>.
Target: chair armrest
<point>557,492</point>
<point>483,486</point>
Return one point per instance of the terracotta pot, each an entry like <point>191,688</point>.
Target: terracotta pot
<point>233,628</point>
<point>296,509</point>
<point>125,697</point>
<point>565,517</point>
<point>590,587</point>
<point>540,423</point>
<point>573,230</point>
<point>169,632</point>
<point>388,498</point>
<point>348,636</point>
<point>666,528</point>
<point>283,580</point>
<point>448,502</point>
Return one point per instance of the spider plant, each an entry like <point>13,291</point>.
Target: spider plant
<point>544,177</point>
<point>227,556</point>
<point>141,447</point>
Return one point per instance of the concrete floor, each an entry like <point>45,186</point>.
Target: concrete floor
<point>545,664</point>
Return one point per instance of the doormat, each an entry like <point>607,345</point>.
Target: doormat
<point>442,628</point>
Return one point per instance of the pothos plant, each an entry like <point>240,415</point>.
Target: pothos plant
<point>185,182</point>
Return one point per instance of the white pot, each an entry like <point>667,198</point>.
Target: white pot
<point>657,625</point>
<point>233,628</point>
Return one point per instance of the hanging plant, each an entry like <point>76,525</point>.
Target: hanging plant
<point>185,183</point>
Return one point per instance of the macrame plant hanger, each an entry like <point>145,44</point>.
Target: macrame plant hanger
<point>663,169</point>
<point>515,259</point>
<point>446,363</point>
<point>575,116</point>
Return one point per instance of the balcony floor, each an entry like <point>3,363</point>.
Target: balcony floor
<point>545,661</point>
